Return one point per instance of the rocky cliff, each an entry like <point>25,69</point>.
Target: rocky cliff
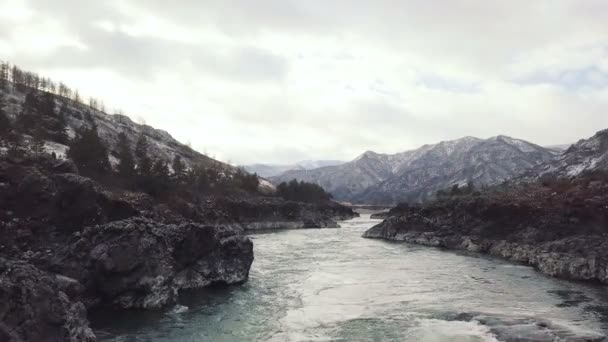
<point>36,306</point>
<point>68,244</point>
<point>84,245</point>
<point>559,228</point>
<point>263,213</point>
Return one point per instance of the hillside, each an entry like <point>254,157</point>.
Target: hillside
<point>585,156</point>
<point>78,116</point>
<point>417,174</point>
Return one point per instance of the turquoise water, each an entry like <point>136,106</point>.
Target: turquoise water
<point>332,285</point>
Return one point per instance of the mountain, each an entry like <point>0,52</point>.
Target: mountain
<point>417,174</point>
<point>558,149</point>
<point>78,116</point>
<point>584,156</point>
<point>272,170</point>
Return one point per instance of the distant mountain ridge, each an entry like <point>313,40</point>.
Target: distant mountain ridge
<point>585,156</point>
<point>417,174</point>
<point>272,170</point>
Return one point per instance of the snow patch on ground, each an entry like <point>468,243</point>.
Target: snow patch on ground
<point>266,186</point>
<point>586,165</point>
<point>53,147</point>
<point>519,144</point>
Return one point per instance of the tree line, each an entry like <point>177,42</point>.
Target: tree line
<point>303,192</point>
<point>456,191</point>
<point>24,80</point>
<point>137,169</point>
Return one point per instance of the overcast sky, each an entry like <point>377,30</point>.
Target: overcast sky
<point>286,80</point>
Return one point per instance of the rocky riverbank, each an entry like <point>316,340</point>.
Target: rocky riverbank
<point>69,244</point>
<point>560,228</point>
<point>273,213</point>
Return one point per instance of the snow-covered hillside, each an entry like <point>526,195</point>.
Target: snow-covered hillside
<point>161,144</point>
<point>586,155</point>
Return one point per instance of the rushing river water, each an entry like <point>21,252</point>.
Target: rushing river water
<point>333,285</point>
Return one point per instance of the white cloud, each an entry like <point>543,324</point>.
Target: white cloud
<point>286,80</point>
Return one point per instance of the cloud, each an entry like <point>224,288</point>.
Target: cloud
<point>448,84</point>
<point>570,79</point>
<point>286,80</point>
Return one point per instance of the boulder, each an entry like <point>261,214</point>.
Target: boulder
<point>140,263</point>
<point>65,200</point>
<point>33,307</point>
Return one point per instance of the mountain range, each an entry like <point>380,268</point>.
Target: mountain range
<point>272,170</point>
<point>417,174</point>
<point>372,177</point>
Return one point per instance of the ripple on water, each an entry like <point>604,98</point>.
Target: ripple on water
<point>332,285</point>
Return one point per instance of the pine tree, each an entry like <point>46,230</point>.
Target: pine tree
<point>26,121</point>
<point>15,144</point>
<point>89,153</point>
<point>18,77</point>
<point>179,169</point>
<point>126,165</point>
<point>144,163</point>
<point>37,143</point>
<point>55,120</point>
<point>158,183</point>
<point>160,169</point>
<point>76,99</point>
<point>4,73</point>
<point>46,105</point>
<point>5,123</point>
<point>60,129</point>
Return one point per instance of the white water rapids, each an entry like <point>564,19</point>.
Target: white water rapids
<point>333,285</point>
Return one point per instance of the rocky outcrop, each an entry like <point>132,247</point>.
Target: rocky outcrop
<point>44,191</point>
<point>139,263</point>
<point>275,213</point>
<point>73,245</point>
<point>561,229</point>
<point>379,216</point>
<point>35,307</point>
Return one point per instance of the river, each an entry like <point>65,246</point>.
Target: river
<point>333,285</point>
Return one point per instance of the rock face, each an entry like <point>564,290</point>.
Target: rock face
<point>139,263</point>
<point>40,190</point>
<point>67,244</point>
<point>561,229</point>
<point>34,307</point>
<point>275,213</point>
<point>416,175</point>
